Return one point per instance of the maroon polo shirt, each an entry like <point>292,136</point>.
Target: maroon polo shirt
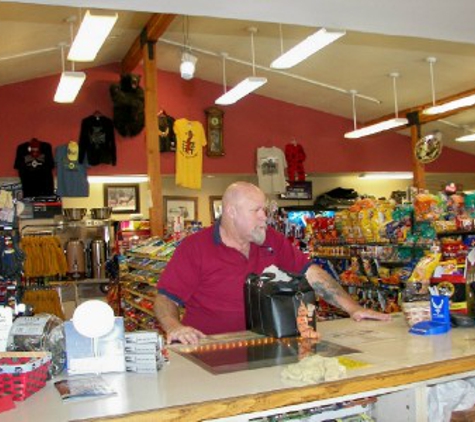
<point>207,277</point>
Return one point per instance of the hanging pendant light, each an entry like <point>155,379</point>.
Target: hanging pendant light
<point>93,32</point>
<point>455,104</point>
<point>380,126</point>
<point>246,86</point>
<point>468,137</point>
<point>305,48</point>
<point>188,60</point>
<point>70,83</point>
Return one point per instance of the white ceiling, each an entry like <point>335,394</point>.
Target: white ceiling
<point>383,36</point>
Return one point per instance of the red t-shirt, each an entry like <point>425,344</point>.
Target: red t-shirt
<point>208,277</point>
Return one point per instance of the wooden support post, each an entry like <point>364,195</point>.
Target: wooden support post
<point>417,168</point>
<point>143,49</point>
<point>151,138</point>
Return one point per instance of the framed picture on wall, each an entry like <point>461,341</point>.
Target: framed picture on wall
<point>215,207</point>
<point>185,206</point>
<point>123,199</point>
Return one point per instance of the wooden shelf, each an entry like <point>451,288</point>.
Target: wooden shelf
<point>137,280</point>
<point>135,293</point>
<point>145,256</point>
<point>145,268</point>
<point>140,308</point>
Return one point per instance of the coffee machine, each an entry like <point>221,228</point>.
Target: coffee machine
<point>96,239</point>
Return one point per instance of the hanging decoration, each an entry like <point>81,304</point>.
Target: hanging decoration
<point>429,147</point>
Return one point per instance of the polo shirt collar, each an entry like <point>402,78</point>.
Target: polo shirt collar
<point>216,233</point>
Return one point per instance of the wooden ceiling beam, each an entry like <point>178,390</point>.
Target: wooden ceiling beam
<point>153,30</point>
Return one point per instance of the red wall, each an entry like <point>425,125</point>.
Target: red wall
<point>27,110</point>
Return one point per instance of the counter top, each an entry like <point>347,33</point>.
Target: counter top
<point>182,390</point>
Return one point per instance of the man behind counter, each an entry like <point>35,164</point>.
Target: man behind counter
<point>208,270</point>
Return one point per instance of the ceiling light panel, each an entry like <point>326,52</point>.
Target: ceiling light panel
<point>306,48</point>
<point>91,36</point>
<point>69,86</point>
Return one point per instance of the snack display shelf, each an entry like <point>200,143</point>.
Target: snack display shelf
<point>145,268</point>
<point>137,278</point>
<point>138,323</point>
<point>139,294</point>
<point>140,308</point>
<point>146,256</point>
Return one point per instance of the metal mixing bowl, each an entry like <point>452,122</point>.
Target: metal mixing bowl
<point>101,213</point>
<point>74,214</point>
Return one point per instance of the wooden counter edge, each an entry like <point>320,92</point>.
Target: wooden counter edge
<point>291,396</point>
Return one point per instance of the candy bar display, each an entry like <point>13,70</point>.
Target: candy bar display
<point>377,246</point>
<point>139,271</point>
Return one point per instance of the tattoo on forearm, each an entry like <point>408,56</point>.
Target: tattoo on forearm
<point>328,289</point>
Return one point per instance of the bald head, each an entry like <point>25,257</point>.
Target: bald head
<point>239,191</point>
<point>244,212</point>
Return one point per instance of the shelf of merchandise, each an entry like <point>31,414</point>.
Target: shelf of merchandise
<point>140,271</point>
<point>138,294</point>
<point>140,308</point>
<point>345,251</point>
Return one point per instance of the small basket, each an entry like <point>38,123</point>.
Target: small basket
<point>23,373</point>
<point>415,312</point>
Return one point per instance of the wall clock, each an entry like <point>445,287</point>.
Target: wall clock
<point>214,131</point>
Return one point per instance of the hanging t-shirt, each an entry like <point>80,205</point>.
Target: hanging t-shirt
<point>191,139</point>
<point>71,174</point>
<point>271,165</point>
<point>97,140</point>
<point>34,162</point>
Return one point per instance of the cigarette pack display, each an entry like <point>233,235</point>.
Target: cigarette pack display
<point>139,337</point>
<point>141,358</point>
<point>143,348</point>
<point>143,367</point>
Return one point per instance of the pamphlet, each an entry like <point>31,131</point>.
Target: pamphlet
<point>87,387</point>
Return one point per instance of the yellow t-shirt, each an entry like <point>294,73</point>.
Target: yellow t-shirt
<point>190,140</point>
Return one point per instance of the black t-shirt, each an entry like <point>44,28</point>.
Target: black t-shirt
<point>97,141</point>
<point>34,162</point>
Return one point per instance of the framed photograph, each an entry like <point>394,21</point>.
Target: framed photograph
<point>215,207</point>
<point>123,199</point>
<point>185,206</point>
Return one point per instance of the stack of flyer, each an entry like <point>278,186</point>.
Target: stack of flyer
<point>144,351</point>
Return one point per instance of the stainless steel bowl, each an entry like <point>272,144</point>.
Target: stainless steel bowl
<point>74,214</point>
<point>101,213</point>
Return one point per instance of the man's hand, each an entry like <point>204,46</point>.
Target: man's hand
<point>362,313</point>
<point>185,335</point>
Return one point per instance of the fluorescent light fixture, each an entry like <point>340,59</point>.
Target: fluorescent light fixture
<point>92,34</point>
<point>466,138</point>
<point>386,176</point>
<point>118,179</point>
<point>377,127</point>
<point>188,65</point>
<point>451,105</point>
<point>306,48</point>
<point>69,86</point>
<point>242,89</point>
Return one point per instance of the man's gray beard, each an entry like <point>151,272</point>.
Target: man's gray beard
<point>258,236</point>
